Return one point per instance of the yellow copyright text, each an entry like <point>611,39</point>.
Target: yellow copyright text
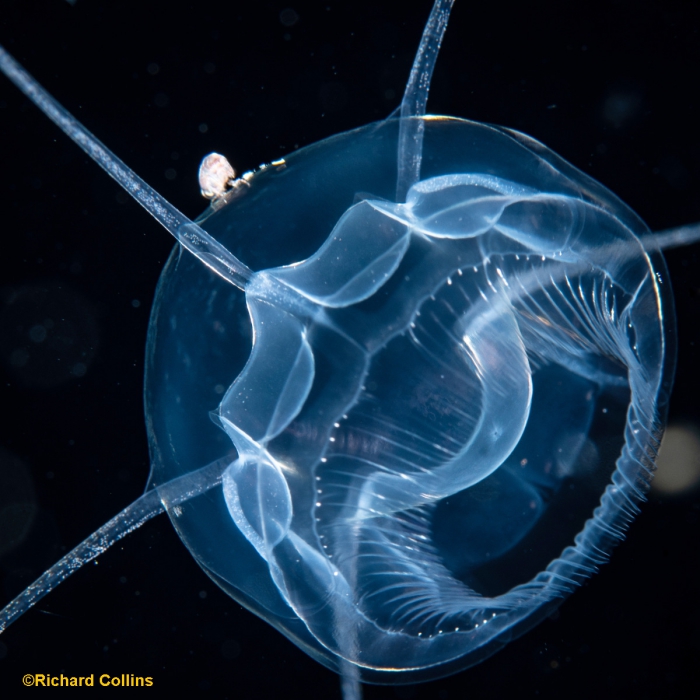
<point>124,680</point>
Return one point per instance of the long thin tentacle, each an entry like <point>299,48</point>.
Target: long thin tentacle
<point>415,98</point>
<point>152,503</point>
<point>190,235</point>
<point>672,237</point>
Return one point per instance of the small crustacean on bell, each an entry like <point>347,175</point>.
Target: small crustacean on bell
<point>218,181</point>
<point>216,176</point>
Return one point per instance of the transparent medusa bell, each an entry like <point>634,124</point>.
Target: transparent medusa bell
<point>410,445</point>
<point>571,320</point>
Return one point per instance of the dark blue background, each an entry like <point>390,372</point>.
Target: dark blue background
<point>263,89</point>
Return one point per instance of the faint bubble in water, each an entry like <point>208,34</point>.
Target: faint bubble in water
<point>289,17</point>
<point>79,369</point>
<point>18,504</point>
<point>621,106</point>
<point>48,334</point>
<point>38,333</point>
<point>678,464</point>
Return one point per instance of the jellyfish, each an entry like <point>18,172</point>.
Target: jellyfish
<point>133,309</point>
